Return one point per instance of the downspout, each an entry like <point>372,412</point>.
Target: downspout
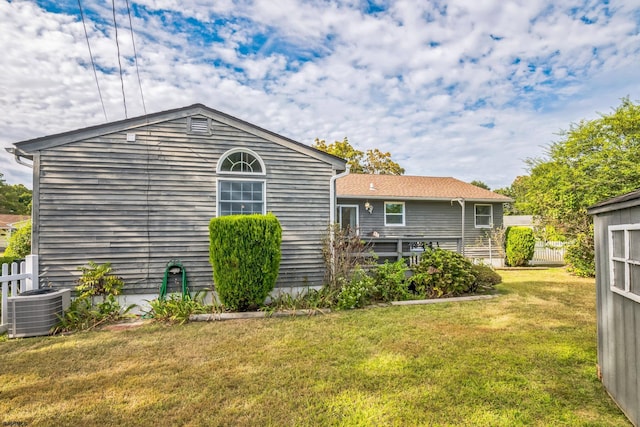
<point>461,202</point>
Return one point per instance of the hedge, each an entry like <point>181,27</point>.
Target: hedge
<point>245,256</point>
<point>521,245</point>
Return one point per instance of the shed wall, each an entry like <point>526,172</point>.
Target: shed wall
<point>618,321</point>
<point>141,204</point>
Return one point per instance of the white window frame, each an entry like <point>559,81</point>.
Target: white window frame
<point>404,213</point>
<point>264,191</point>
<point>357,230</point>
<point>475,215</point>
<point>626,292</point>
<point>243,150</point>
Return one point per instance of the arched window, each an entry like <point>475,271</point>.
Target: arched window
<point>239,192</point>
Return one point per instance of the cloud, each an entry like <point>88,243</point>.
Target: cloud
<point>455,88</point>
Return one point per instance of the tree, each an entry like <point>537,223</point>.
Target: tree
<point>518,192</point>
<point>480,184</point>
<point>595,160</point>
<point>372,161</point>
<point>14,199</point>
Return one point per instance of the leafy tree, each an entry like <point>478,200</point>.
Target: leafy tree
<point>518,192</point>
<point>480,184</point>
<point>14,199</point>
<point>595,160</point>
<point>20,242</point>
<point>372,161</point>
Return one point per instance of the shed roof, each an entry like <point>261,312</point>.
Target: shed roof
<point>412,187</point>
<point>614,203</point>
<point>30,146</point>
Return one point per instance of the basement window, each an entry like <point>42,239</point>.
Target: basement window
<point>624,260</point>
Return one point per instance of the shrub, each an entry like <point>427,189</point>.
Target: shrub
<point>389,279</point>
<point>442,273</point>
<point>245,256</point>
<point>486,277</point>
<point>356,292</point>
<point>20,242</point>
<point>521,244</point>
<point>342,251</point>
<point>580,256</point>
<point>176,308</point>
<point>97,282</point>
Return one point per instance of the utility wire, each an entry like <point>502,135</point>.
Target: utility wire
<point>95,73</point>
<point>135,57</point>
<point>115,24</point>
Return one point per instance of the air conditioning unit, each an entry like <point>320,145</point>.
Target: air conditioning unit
<point>34,313</point>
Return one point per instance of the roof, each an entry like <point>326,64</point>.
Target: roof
<point>412,187</point>
<point>619,202</point>
<point>42,143</point>
<point>7,220</point>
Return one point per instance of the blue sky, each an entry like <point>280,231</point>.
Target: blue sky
<point>463,88</point>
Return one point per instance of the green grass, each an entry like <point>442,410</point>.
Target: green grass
<point>527,357</point>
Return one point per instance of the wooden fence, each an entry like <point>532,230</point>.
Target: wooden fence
<point>550,253</point>
<point>17,277</point>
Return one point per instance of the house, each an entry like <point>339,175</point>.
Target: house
<point>8,224</point>
<point>139,193</point>
<point>617,250</point>
<point>401,214</point>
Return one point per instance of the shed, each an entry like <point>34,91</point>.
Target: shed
<point>141,192</point>
<point>617,256</point>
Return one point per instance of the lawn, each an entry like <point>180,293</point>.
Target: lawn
<point>527,357</point>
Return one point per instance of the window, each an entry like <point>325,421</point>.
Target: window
<point>624,260</point>
<point>483,216</point>
<point>348,218</point>
<point>394,213</point>
<point>241,195</point>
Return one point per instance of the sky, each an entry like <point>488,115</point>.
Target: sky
<point>462,88</point>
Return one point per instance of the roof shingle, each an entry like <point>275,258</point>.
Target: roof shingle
<point>412,187</point>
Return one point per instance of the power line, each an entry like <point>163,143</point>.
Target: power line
<point>115,24</point>
<point>95,73</point>
<point>135,57</point>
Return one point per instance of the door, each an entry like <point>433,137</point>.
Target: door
<point>348,218</point>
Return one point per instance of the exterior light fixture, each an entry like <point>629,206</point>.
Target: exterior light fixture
<point>368,207</point>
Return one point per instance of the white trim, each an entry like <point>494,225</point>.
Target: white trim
<point>243,150</point>
<point>357,215</point>
<point>626,292</point>
<point>475,215</point>
<point>404,214</point>
<point>234,179</point>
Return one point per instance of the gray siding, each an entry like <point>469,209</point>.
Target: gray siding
<point>618,323</point>
<point>141,204</point>
<point>432,220</point>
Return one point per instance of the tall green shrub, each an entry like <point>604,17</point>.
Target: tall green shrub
<point>20,242</point>
<point>521,244</point>
<point>245,256</point>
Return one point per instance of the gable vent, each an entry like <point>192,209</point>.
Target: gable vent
<point>199,125</point>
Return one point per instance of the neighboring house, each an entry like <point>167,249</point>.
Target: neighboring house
<point>141,192</point>
<point>617,249</point>
<point>397,212</point>
<point>8,224</point>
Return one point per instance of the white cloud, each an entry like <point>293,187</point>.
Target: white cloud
<point>462,88</point>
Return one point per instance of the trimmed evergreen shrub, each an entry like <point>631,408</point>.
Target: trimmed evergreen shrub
<point>521,244</point>
<point>245,256</point>
<point>442,273</point>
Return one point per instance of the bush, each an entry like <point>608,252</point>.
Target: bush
<point>521,244</point>
<point>356,292</point>
<point>442,273</point>
<point>580,256</point>
<point>176,308</point>
<point>20,242</point>
<point>389,280</point>
<point>485,276</point>
<point>97,282</point>
<point>245,256</point>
